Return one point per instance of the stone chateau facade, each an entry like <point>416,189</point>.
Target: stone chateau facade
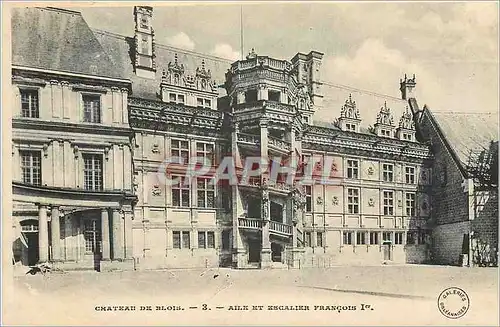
<point>96,113</point>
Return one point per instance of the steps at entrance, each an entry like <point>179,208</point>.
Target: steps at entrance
<point>278,265</point>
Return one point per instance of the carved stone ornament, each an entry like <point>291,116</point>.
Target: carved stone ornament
<point>319,200</point>
<point>371,202</point>
<point>371,170</point>
<point>335,201</point>
<point>155,148</point>
<point>425,206</point>
<point>400,203</point>
<point>156,190</point>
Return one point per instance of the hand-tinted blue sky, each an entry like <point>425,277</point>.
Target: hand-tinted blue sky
<point>451,47</point>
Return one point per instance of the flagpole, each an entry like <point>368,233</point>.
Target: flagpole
<point>241,31</point>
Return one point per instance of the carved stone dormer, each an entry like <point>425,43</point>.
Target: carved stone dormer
<point>145,58</point>
<point>192,89</point>
<point>406,129</point>
<point>350,118</point>
<point>385,123</point>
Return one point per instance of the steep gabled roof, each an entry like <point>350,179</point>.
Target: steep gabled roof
<point>119,47</point>
<point>463,132</point>
<point>60,40</point>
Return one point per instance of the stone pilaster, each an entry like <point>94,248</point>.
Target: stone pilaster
<point>55,231</point>
<point>117,235</point>
<point>43,234</point>
<point>106,247</point>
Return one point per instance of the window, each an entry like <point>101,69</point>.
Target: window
<point>205,150</point>
<point>410,204</point>
<point>407,137</point>
<point>29,103</point>
<point>206,192</point>
<point>31,164</point>
<point>180,192</point>
<point>206,240</point>
<point>385,132</point>
<point>398,238</point>
<point>226,236</point>
<point>145,45</point>
<point>319,239</point>
<point>410,175</point>
<point>388,203</point>
<point>350,127</point>
<point>180,149</point>
<point>387,172</point>
<point>353,200</point>
<point>347,238</point>
<point>92,235</point>
<point>250,96</point>
<point>205,103</point>
<point>308,198</point>
<point>181,240</point>
<point>373,237</point>
<point>360,238</point>
<point>352,169</point>
<point>411,238</point>
<point>91,108</point>
<point>144,22</point>
<point>92,172</point>
<point>386,237</point>
<point>274,95</point>
<point>421,237</point>
<point>307,239</point>
<point>177,98</point>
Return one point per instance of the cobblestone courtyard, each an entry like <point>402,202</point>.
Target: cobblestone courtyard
<point>402,295</point>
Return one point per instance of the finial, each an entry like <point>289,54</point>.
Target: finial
<point>203,63</point>
<point>175,58</point>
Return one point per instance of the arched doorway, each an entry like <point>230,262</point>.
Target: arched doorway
<point>29,238</point>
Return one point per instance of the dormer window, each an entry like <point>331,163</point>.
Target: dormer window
<point>350,127</point>
<point>385,133</point>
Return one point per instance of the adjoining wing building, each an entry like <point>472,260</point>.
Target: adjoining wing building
<point>95,114</point>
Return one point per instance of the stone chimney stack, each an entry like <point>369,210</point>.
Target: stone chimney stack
<point>407,86</point>
<point>145,63</point>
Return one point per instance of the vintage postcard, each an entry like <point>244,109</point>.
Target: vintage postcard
<point>250,163</point>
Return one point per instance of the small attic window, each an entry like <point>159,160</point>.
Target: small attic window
<point>385,133</point>
<point>350,127</point>
<point>274,95</point>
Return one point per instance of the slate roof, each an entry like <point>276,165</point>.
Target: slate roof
<point>467,131</point>
<point>61,40</point>
<point>118,49</point>
<point>58,39</point>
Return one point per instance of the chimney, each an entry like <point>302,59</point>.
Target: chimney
<point>145,63</point>
<point>406,87</point>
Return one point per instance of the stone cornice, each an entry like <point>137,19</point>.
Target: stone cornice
<point>64,126</point>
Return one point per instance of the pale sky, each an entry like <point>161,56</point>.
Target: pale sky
<point>452,48</point>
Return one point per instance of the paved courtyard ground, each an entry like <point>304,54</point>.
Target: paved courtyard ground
<point>389,295</point>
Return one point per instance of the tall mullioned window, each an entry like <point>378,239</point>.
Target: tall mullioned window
<point>206,151</point>
<point>308,198</point>
<point>388,203</point>
<point>92,235</point>
<point>31,164</point>
<point>181,240</point>
<point>387,172</point>
<point>410,175</point>
<point>410,204</point>
<point>206,192</point>
<point>29,103</point>
<point>353,200</point>
<point>180,148</point>
<point>92,172</point>
<point>91,108</point>
<point>352,168</point>
<point>181,192</point>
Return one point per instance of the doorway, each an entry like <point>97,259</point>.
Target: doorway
<point>29,233</point>
<point>276,250</point>
<point>254,247</point>
<point>387,250</point>
<point>254,208</point>
<point>92,236</point>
